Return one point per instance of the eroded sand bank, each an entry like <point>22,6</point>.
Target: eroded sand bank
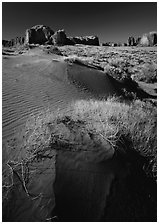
<point>32,83</point>
<point>59,185</point>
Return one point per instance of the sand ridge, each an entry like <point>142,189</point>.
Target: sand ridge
<point>31,83</point>
<point>38,81</point>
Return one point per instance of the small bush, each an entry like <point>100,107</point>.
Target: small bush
<point>147,74</point>
<point>54,50</point>
<point>92,125</point>
<point>118,69</point>
<point>108,121</point>
<point>136,123</point>
<point>102,128</point>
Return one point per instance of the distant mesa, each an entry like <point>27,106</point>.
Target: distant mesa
<point>113,44</point>
<point>38,34</point>
<point>59,38</point>
<point>138,41</point>
<point>149,39</point>
<point>131,41</point>
<point>13,42</point>
<point>41,34</point>
<point>87,40</point>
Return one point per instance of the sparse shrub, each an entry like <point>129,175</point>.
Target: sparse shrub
<point>90,126</point>
<point>147,74</point>
<point>110,120</point>
<point>118,69</point>
<point>137,123</point>
<point>54,50</point>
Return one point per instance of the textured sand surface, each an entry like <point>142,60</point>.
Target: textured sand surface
<point>32,83</point>
<point>74,186</point>
<point>81,187</point>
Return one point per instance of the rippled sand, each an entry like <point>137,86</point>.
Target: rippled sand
<point>81,188</point>
<point>35,81</point>
<point>30,85</point>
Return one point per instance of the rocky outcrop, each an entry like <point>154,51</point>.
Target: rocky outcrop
<point>131,41</point>
<point>5,43</point>
<point>106,44</point>
<point>113,44</point>
<point>41,34</point>
<point>38,34</point>
<point>59,37</point>
<point>138,41</point>
<point>149,39</point>
<point>86,40</point>
<point>13,42</point>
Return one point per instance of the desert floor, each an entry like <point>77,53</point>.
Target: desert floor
<point>32,81</point>
<point>45,80</point>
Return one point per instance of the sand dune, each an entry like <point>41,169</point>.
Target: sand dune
<point>35,82</point>
<point>92,79</point>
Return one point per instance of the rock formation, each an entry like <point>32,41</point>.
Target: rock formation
<point>113,44</point>
<point>59,38</point>
<point>38,34</point>
<point>13,42</point>
<point>149,39</point>
<point>131,41</point>
<point>106,44</point>
<point>86,40</point>
<point>5,43</point>
<point>138,41</point>
<point>41,34</point>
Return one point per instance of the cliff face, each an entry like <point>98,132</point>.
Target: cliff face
<point>13,42</point>
<point>149,39</point>
<point>40,34</point>
<point>87,40</point>
<point>131,41</point>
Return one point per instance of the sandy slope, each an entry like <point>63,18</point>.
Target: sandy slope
<point>28,87</point>
<point>34,81</point>
<point>79,189</point>
<point>82,187</point>
<point>31,83</point>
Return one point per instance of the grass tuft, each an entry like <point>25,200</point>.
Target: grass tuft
<point>94,124</point>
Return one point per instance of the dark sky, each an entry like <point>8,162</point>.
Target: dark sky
<point>109,21</point>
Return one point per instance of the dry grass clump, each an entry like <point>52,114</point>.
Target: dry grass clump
<point>148,73</point>
<point>119,69</point>
<point>90,125</point>
<point>120,62</point>
<point>28,160</point>
<point>81,61</point>
<point>117,113</point>
<point>135,125</point>
<point>104,128</point>
<point>94,124</point>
